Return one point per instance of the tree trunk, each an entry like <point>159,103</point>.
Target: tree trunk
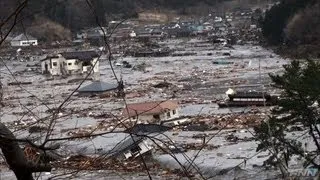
<point>15,157</point>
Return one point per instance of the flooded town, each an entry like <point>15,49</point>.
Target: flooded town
<point>150,97</point>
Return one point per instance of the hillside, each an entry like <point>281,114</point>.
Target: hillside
<point>293,26</point>
<point>75,14</point>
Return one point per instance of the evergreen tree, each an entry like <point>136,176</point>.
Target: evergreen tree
<point>297,109</point>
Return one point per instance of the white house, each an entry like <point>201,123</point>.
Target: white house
<point>24,40</point>
<point>157,111</point>
<point>67,63</point>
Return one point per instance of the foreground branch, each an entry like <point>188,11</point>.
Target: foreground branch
<point>15,157</point>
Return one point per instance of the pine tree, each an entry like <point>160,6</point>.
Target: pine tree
<point>297,109</point>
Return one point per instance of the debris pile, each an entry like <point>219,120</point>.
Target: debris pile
<point>81,162</point>
<point>227,121</point>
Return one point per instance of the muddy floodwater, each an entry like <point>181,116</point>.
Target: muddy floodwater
<point>197,82</point>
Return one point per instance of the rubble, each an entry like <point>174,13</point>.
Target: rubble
<point>141,67</point>
<point>181,148</point>
<point>164,84</point>
<point>196,72</point>
<point>18,83</point>
<point>37,129</point>
<point>184,54</point>
<point>81,162</point>
<point>228,121</point>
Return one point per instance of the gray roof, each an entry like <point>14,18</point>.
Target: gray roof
<point>23,37</point>
<point>98,86</point>
<point>80,55</point>
<point>128,143</point>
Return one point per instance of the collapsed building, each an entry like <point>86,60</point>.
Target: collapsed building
<point>67,63</point>
<point>156,111</point>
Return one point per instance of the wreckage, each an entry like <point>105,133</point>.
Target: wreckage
<point>247,98</point>
<point>132,147</point>
<point>162,52</point>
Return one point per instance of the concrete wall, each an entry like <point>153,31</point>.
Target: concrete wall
<point>60,65</point>
<point>43,66</point>
<point>163,116</point>
<point>144,148</point>
<point>72,66</point>
<point>15,43</point>
<point>54,66</point>
<point>95,69</point>
<point>57,64</point>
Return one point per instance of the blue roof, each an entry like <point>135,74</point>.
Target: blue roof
<point>98,86</point>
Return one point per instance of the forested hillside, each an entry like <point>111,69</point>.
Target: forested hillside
<point>58,19</point>
<point>75,14</point>
<point>295,24</point>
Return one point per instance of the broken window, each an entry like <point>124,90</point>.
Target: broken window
<point>156,116</point>
<point>86,63</point>
<point>54,64</point>
<point>136,149</point>
<point>174,112</point>
<point>168,114</point>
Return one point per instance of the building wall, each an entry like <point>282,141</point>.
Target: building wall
<point>15,43</point>
<point>24,43</point>
<point>59,66</point>
<point>72,66</point>
<point>96,67</point>
<point>54,65</point>
<point>146,118</point>
<point>144,148</point>
<point>43,66</point>
<point>75,66</point>
<point>29,42</point>
<point>163,116</point>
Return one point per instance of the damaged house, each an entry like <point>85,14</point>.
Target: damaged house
<point>67,63</point>
<point>156,111</point>
<point>131,147</point>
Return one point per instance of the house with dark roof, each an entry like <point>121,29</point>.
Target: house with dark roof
<point>97,87</point>
<point>67,63</point>
<point>24,40</point>
<point>155,111</point>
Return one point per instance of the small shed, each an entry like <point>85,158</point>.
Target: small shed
<point>97,87</point>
